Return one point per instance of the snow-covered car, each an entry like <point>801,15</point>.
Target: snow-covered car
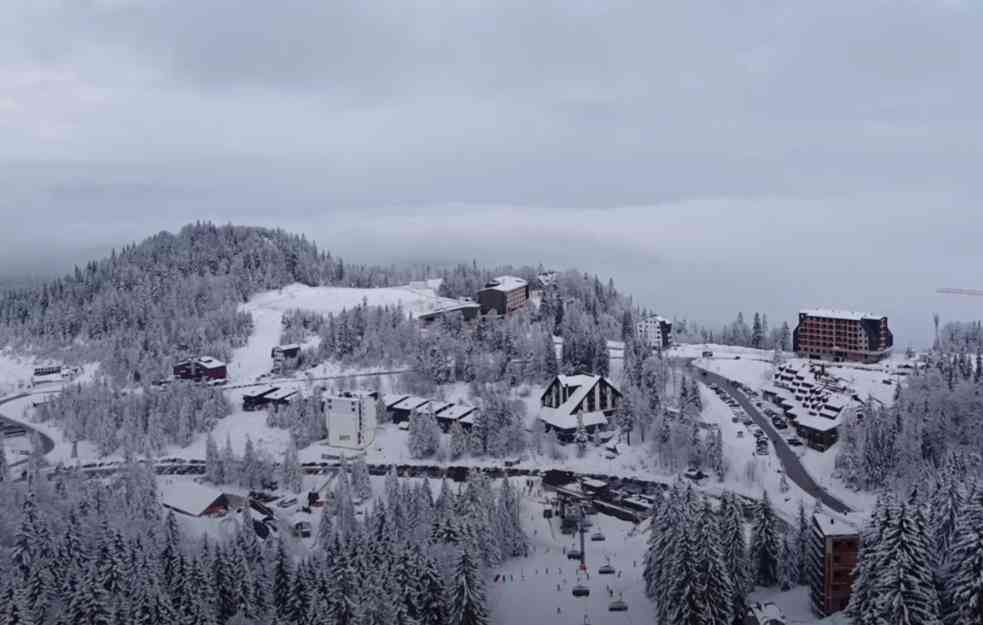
<point>794,441</point>
<point>287,502</point>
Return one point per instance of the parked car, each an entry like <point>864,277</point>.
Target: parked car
<point>747,421</point>
<point>779,423</point>
<point>735,420</point>
<point>287,502</point>
<point>794,441</point>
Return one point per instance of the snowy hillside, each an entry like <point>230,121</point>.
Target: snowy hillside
<point>267,311</point>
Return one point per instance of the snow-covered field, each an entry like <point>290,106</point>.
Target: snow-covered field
<point>267,310</point>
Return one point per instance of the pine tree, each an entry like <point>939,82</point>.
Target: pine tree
<point>468,604</point>
<point>862,608</point>
<point>459,440</point>
<point>293,473</point>
<point>714,586</point>
<point>766,545</point>
<point>906,592</point>
<point>325,529</point>
<point>4,469</point>
<point>802,538</point>
<point>964,583</point>
<point>734,550</point>
<point>361,481</point>
<point>684,597</point>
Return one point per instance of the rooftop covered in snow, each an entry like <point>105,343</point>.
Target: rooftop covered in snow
<point>830,313</point>
<point>506,283</point>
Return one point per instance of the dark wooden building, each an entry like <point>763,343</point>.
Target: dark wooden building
<point>285,352</point>
<point>201,369</point>
<point>254,400</point>
<point>591,399</point>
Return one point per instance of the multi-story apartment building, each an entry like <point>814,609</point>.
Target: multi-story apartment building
<point>832,558</point>
<point>839,335</point>
<point>351,419</point>
<point>504,295</point>
<point>654,331</point>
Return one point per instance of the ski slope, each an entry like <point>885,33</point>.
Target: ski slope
<point>267,310</point>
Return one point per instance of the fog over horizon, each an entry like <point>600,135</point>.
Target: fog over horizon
<point>711,159</point>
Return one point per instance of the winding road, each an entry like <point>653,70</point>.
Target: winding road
<point>790,462</point>
<point>46,443</point>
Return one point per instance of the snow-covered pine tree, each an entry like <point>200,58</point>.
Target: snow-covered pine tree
<point>963,587</point>
<point>734,550</point>
<point>467,599</point>
<point>766,545</point>
<point>214,470</point>
<point>292,472</point>
<point>459,440</point>
<point>789,574</point>
<point>361,482</point>
<point>905,588</point>
<point>4,468</point>
<point>684,597</point>
<point>714,586</point>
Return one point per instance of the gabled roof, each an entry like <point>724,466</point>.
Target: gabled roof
<point>391,399</point>
<point>187,496</point>
<point>568,421</point>
<point>410,403</point>
<point>455,412</point>
<point>281,394</point>
<point>210,363</point>
<point>577,380</point>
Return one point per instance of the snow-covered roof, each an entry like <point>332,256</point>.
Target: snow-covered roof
<point>835,525</point>
<point>568,421</point>
<point>506,283</point>
<point>578,380</point>
<point>455,412</point>
<point>411,403</point>
<point>263,390</point>
<point>435,406</point>
<point>819,424</point>
<point>210,363</point>
<point>468,419</point>
<point>829,313</point>
<point>391,399</point>
<point>281,394</point>
<point>186,496</point>
<point>288,347</point>
<point>590,482</point>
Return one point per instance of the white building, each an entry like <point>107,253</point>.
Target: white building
<point>351,420</point>
<point>654,331</point>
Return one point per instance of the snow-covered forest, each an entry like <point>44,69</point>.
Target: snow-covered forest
<point>921,557</point>
<point>932,426</point>
<point>83,551</point>
<point>136,421</point>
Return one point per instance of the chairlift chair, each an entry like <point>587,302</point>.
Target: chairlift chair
<point>607,569</point>
<point>581,591</point>
<point>597,537</point>
<point>617,606</point>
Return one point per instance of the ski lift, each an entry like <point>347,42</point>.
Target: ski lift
<point>607,569</point>
<point>597,536</point>
<point>617,605</point>
<point>581,591</point>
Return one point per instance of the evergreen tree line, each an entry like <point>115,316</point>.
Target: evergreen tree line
<point>86,552</point>
<point>932,426</point>
<point>515,349</point>
<point>921,558</point>
<point>758,335</point>
<point>699,567</point>
<point>140,421</point>
<point>957,337</point>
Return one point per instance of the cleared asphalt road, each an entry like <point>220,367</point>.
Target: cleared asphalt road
<point>790,462</point>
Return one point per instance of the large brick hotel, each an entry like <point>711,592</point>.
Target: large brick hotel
<point>839,335</point>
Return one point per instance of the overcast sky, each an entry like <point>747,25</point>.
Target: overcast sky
<point>710,156</point>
